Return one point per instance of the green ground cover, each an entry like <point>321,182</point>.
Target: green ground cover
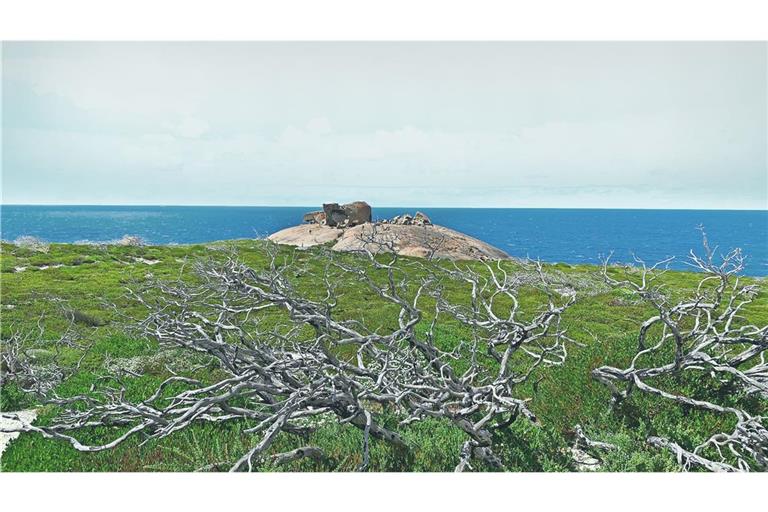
<point>87,285</point>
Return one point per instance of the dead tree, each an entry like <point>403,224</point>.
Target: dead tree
<point>285,357</point>
<point>35,364</point>
<point>707,336</point>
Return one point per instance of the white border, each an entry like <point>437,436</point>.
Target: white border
<point>383,19</point>
<point>389,492</point>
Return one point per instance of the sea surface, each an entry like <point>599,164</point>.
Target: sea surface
<point>552,235</point>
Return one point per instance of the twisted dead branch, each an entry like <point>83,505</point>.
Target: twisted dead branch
<point>705,336</point>
<point>582,441</point>
<point>284,358</point>
<point>23,357</point>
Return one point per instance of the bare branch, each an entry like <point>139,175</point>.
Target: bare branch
<point>706,336</point>
<point>277,351</point>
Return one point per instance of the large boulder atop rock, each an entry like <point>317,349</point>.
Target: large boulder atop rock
<point>334,214</point>
<point>420,219</point>
<point>358,213</point>
<point>347,215</point>
<point>316,217</point>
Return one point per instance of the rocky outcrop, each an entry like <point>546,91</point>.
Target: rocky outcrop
<point>341,216</point>
<point>14,420</point>
<point>306,235</point>
<point>349,228</point>
<point>431,242</point>
<point>420,219</point>
<point>316,217</point>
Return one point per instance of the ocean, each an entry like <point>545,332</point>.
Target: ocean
<point>552,235</point>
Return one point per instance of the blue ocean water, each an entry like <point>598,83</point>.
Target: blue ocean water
<point>553,235</point>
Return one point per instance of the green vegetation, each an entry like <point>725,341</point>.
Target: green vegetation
<point>86,287</point>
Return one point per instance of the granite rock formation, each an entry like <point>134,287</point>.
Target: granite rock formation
<point>349,228</point>
<point>341,216</point>
<point>420,219</point>
<point>316,217</point>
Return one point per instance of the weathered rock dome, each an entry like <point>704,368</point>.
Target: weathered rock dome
<point>405,235</point>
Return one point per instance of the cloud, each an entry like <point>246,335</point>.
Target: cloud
<point>398,166</point>
<point>191,128</point>
<point>319,126</point>
<point>506,124</point>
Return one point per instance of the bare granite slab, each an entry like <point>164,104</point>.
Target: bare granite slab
<point>7,421</point>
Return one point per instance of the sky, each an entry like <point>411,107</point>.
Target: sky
<point>461,124</point>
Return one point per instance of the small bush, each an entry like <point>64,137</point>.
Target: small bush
<point>83,318</point>
<point>12,398</point>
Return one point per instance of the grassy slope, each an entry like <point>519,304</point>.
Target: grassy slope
<point>604,322</point>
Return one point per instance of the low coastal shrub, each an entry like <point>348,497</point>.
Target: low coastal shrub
<point>603,322</point>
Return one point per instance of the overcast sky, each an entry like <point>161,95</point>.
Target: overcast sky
<point>601,125</point>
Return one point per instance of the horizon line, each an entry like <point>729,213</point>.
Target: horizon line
<point>384,206</point>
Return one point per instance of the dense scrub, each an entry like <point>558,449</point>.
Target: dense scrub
<point>83,289</point>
